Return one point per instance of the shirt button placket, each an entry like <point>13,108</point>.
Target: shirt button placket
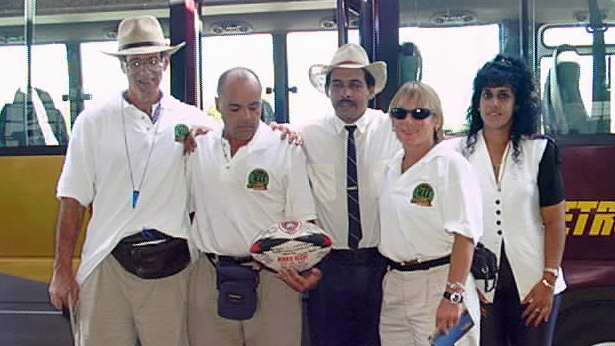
<point>498,215</point>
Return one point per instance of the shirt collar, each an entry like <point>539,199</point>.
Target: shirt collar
<point>258,141</point>
<point>437,151</point>
<point>166,102</point>
<point>339,126</point>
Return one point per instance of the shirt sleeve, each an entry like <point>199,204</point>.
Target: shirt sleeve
<point>299,199</point>
<point>78,178</point>
<point>550,179</point>
<point>462,200</point>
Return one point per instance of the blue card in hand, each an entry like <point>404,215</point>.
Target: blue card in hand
<point>455,333</point>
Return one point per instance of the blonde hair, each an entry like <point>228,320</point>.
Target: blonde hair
<point>424,95</point>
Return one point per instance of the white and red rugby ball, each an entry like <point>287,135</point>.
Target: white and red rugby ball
<point>291,244</point>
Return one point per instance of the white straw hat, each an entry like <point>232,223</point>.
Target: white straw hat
<point>141,35</point>
<point>349,56</point>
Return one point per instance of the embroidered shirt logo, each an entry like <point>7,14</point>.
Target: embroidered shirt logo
<point>423,194</point>
<point>181,132</point>
<point>258,180</point>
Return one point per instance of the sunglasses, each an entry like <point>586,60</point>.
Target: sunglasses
<point>416,113</point>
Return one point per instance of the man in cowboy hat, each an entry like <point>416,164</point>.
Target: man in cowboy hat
<point>346,154</point>
<point>123,163</point>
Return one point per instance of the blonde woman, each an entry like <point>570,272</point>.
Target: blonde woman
<point>430,214</point>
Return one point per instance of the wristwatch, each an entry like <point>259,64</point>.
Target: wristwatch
<point>454,297</point>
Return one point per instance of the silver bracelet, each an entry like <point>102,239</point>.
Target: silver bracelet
<point>455,286</point>
<point>553,271</point>
<point>546,283</point>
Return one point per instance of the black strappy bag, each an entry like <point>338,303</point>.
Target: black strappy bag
<point>485,266</point>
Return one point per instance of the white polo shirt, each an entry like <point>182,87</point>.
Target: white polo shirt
<point>421,208</point>
<point>96,171</point>
<point>325,142</point>
<point>237,197</point>
<point>512,212</point>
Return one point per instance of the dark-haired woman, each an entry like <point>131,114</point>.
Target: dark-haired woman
<point>523,204</point>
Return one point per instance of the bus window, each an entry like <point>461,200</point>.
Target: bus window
<point>582,82</point>
<point>102,74</point>
<point>220,53</point>
<point>307,103</point>
<point>46,112</point>
<point>575,35</point>
<point>451,72</point>
<point>569,108</point>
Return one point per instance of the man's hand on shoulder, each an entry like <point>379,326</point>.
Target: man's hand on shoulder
<point>190,140</point>
<point>293,137</point>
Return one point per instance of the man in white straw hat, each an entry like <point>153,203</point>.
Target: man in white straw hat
<point>347,152</point>
<point>124,165</point>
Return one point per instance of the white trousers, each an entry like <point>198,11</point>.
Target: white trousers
<point>409,304</point>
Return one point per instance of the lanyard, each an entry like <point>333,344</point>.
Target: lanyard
<point>136,191</point>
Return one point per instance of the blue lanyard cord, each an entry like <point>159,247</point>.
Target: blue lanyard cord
<point>155,117</point>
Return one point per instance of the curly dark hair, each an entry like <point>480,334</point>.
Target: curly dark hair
<point>512,72</point>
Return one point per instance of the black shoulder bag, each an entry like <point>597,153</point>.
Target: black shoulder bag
<point>485,266</point>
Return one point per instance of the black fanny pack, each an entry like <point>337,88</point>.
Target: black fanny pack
<point>236,290</point>
<point>484,265</point>
<point>151,254</point>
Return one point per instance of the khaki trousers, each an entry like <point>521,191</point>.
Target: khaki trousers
<point>409,304</point>
<point>116,307</point>
<point>277,320</point>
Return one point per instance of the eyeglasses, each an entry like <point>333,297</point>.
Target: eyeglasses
<point>152,64</point>
<point>416,113</point>
<point>353,85</point>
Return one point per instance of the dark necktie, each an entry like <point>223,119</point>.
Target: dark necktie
<point>352,192</point>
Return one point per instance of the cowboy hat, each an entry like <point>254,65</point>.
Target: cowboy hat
<point>349,56</point>
<point>141,35</point>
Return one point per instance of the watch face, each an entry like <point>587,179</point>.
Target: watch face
<point>456,297</point>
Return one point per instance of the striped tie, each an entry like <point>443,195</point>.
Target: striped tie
<point>352,191</point>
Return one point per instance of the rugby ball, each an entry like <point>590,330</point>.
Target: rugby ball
<point>291,244</point>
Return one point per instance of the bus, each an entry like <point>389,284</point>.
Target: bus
<point>52,68</point>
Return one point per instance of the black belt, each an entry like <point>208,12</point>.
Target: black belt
<point>214,258</point>
<point>359,256</point>
<point>419,265</point>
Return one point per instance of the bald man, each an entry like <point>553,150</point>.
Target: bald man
<point>242,180</point>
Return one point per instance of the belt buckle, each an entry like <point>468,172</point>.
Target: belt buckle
<point>411,262</point>
<point>212,257</point>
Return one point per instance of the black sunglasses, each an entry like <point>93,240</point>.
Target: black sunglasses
<point>417,113</point>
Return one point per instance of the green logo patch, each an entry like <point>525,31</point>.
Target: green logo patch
<point>258,179</point>
<point>423,194</point>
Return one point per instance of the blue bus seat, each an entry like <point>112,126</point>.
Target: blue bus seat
<point>410,63</point>
<point>267,114</point>
<point>564,111</point>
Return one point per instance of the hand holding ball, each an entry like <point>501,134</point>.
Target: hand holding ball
<point>291,244</point>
